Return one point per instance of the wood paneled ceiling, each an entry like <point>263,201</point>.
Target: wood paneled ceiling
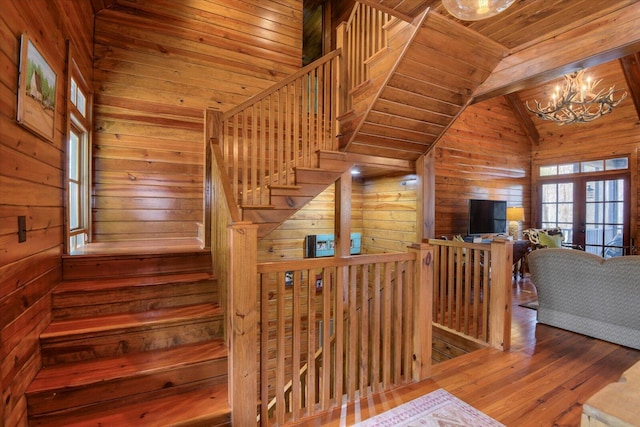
<point>524,23</point>
<point>542,40</point>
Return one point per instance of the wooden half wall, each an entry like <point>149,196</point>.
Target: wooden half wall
<point>158,65</point>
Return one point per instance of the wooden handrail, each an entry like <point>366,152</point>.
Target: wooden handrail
<point>362,36</point>
<point>472,290</point>
<point>288,80</point>
<point>367,331</point>
<point>263,140</point>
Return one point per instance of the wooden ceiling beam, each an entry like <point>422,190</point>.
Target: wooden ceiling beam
<point>524,119</point>
<point>99,5</point>
<point>631,67</point>
<point>405,10</point>
<point>602,40</point>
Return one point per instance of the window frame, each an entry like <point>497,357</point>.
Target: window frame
<point>81,125</point>
<point>630,173</point>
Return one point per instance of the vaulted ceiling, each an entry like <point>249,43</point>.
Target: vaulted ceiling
<point>542,40</point>
<point>547,39</point>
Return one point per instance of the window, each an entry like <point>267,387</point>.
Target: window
<point>77,160</point>
<point>588,201</point>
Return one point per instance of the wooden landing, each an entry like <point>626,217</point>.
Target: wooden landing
<point>140,246</point>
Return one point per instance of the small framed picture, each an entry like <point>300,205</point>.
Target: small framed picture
<point>37,85</point>
<point>288,278</point>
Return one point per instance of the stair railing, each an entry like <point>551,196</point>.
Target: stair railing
<point>340,328</point>
<point>264,139</point>
<point>472,290</point>
<point>361,37</point>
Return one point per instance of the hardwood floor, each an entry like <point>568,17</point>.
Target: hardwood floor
<point>542,381</point>
<point>135,246</point>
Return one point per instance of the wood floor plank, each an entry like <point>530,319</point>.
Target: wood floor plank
<point>542,381</point>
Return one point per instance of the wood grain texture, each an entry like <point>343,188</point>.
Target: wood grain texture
<point>542,381</point>
<point>158,65</point>
<point>31,185</point>
<point>484,155</point>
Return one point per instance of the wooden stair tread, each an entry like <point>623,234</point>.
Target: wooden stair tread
<point>129,321</point>
<point>207,406</point>
<point>66,376</point>
<point>83,285</point>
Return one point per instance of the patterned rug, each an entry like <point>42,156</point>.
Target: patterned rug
<point>533,305</point>
<point>438,409</point>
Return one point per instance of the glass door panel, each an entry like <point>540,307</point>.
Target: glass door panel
<point>604,220</point>
<point>558,207</point>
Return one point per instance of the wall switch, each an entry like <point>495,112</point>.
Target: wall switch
<point>22,229</point>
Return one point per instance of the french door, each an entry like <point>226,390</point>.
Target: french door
<point>592,211</point>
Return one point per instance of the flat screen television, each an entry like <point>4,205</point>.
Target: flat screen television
<point>487,217</point>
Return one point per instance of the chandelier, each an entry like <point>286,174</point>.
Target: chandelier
<point>577,101</point>
<point>474,10</point>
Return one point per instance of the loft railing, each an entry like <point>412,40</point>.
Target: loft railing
<point>264,139</point>
<point>361,37</point>
<point>336,328</point>
<point>472,289</point>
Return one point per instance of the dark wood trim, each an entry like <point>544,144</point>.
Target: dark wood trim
<point>524,118</point>
<point>631,68</point>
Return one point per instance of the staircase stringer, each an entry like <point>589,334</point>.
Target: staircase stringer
<point>361,115</point>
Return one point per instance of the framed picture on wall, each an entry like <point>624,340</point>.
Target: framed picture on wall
<point>37,85</point>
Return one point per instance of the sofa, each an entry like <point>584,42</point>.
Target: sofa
<point>588,294</point>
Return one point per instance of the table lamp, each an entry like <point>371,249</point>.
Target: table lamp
<point>514,216</point>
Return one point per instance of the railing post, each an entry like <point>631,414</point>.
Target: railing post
<point>422,310</point>
<point>500,299</point>
<point>342,80</point>
<point>243,322</point>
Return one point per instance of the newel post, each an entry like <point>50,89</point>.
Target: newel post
<point>243,322</point>
<point>422,310</point>
<point>500,299</point>
<point>342,78</point>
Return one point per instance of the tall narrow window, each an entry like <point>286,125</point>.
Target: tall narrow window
<point>78,161</point>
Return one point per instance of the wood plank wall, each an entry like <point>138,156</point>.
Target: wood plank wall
<point>383,209</point>
<point>617,134</point>
<point>316,217</point>
<point>389,214</point>
<point>484,155</point>
<point>31,184</point>
<point>158,65</point>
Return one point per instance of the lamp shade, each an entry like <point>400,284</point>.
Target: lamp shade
<point>474,10</point>
<point>515,214</point>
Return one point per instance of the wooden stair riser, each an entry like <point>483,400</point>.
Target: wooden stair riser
<point>307,190</point>
<point>120,343</point>
<point>131,299</point>
<point>108,391</point>
<point>93,267</point>
<point>316,176</point>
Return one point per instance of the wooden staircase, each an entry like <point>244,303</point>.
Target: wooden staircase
<point>416,87</point>
<point>285,200</point>
<point>134,340</point>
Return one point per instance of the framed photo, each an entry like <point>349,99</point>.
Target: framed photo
<point>288,278</point>
<point>36,90</point>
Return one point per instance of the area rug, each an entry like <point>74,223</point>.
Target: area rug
<point>533,305</point>
<point>438,409</point>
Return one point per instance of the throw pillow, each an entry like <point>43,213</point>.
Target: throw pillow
<point>554,241</point>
